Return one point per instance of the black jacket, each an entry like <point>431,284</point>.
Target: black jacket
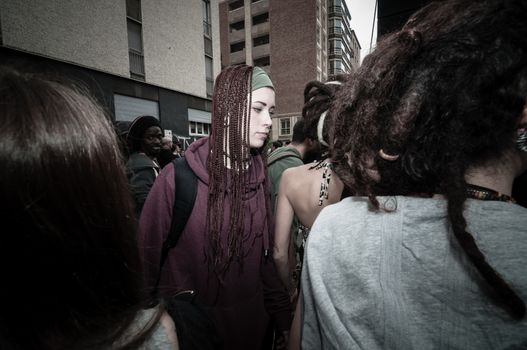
<point>142,172</point>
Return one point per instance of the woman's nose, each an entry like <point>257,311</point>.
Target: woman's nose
<point>267,122</point>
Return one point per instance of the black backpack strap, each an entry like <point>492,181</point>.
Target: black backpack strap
<point>186,184</point>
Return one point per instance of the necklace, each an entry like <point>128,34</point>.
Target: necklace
<point>486,194</point>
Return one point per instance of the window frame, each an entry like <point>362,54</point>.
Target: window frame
<point>282,128</point>
<point>200,128</point>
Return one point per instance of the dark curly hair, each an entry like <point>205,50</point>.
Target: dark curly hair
<point>443,94</point>
<point>317,99</point>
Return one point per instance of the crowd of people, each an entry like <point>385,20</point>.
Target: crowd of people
<point>388,222</point>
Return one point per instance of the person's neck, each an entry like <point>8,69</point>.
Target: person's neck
<point>498,176</point>
<point>300,147</point>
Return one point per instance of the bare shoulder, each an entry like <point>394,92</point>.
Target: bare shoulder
<point>295,175</point>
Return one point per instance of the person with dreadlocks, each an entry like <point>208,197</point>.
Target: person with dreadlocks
<point>430,132</point>
<point>305,190</point>
<point>223,252</point>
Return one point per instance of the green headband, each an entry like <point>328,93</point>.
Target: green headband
<point>260,79</point>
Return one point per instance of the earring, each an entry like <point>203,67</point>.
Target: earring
<point>388,157</point>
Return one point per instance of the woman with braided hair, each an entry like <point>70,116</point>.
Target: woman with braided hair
<point>431,131</point>
<point>223,252</point>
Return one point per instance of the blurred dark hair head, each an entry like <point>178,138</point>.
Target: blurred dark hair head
<point>318,97</point>
<point>68,253</point>
<point>298,131</point>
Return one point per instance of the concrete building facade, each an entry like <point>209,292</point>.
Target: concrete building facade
<point>136,56</point>
<point>289,39</point>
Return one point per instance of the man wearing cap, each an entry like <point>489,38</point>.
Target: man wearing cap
<point>144,140</point>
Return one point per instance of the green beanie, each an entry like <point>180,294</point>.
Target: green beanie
<point>260,79</point>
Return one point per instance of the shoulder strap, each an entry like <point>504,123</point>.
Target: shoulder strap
<point>186,184</point>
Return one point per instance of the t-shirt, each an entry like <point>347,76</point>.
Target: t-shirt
<point>281,159</point>
<point>399,280</point>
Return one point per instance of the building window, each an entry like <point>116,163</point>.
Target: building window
<point>336,67</point>
<point>335,47</point>
<point>207,42</point>
<point>262,61</point>
<point>285,127</point>
<point>209,75</point>
<point>264,17</point>
<point>236,26</point>
<point>235,5</point>
<point>127,108</point>
<point>207,28</point>
<point>198,129</point>
<point>133,9</point>
<point>238,46</point>
<point>261,40</point>
<point>207,37</point>
<point>135,39</point>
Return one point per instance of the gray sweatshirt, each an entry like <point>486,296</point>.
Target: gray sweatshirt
<point>399,280</point>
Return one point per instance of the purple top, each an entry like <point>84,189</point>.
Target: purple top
<point>248,294</point>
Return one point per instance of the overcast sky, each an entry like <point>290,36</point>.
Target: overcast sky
<point>361,12</point>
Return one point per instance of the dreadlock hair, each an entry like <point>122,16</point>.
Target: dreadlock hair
<point>443,94</point>
<point>229,144</point>
<point>317,99</point>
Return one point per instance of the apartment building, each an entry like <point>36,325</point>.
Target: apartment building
<point>138,57</point>
<point>290,40</point>
<point>344,47</point>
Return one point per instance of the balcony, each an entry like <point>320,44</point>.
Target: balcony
<point>236,36</point>
<point>335,11</point>
<point>237,15</point>
<point>237,57</point>
<point>336,30</point>
<point>261,50</point>
<point>259,7</point>
<point>260,29</point>
<point>335,51</point>
<point>335,71</point>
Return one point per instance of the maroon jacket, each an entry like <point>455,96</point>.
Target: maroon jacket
<point>249,294</point>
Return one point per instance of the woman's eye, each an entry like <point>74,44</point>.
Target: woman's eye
<point>256,109</point>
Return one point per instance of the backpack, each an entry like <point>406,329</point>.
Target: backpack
<point>186,184</point>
